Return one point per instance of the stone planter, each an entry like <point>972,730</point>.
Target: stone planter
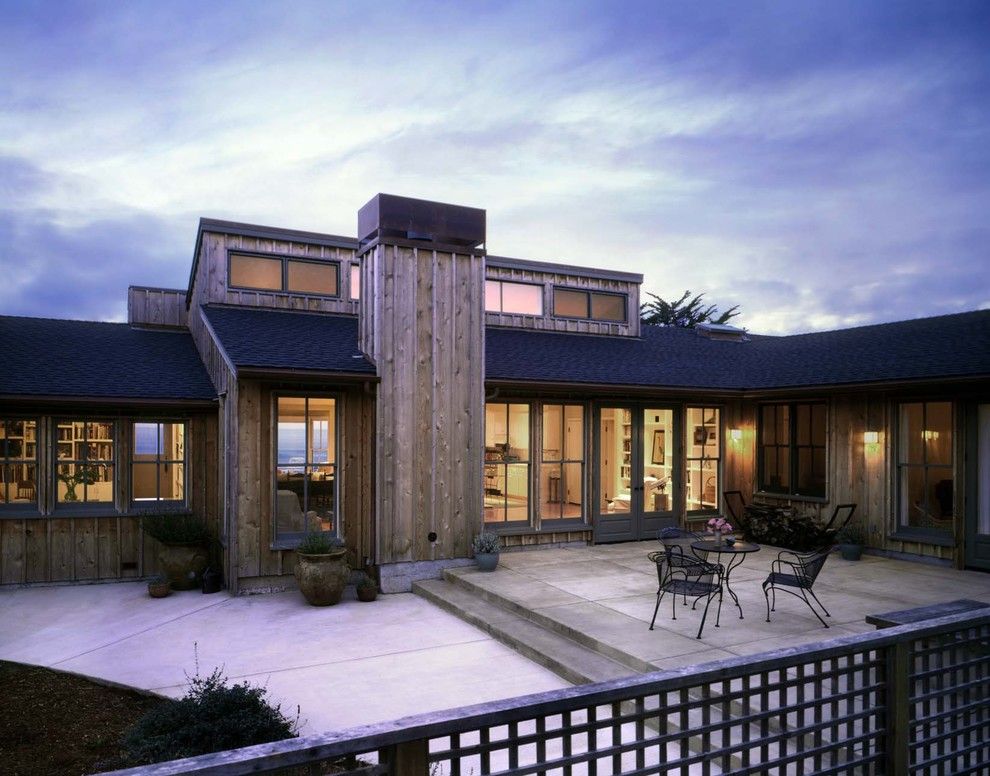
<point>487,561</point>
<point>322,578</point>
<point>851,551</point>
<point>183,564</point>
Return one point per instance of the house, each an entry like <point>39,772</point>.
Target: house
<point>405,389</point>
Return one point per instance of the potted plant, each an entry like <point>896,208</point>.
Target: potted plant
<point>851,540</point>
<point>719,528</point>
<point>158,586</point>
<point>321,568</point>
<point>182,547</point>
<point>365,586</point>
<point>486,548</point>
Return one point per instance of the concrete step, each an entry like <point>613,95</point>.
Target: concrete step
<point>564,657</point>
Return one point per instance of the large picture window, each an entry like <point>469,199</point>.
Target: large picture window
<point>85,462</point>
<point>594,305</point>
<point>506,463</point>
<point>305,468</point>
<point>924,466</point>
<point>703,447</point>
<point>276,273</point>
<point>562,465</point>
<point>792,449</point>
<point>158,462</point>
<point>502,296</point>
<point>18,462</point>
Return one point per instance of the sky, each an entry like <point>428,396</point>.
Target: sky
<point>820,164</point>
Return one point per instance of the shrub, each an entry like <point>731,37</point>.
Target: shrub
<point>365,581</point>
<point>211,717</point>
<point>176,528</point>
<point>799,533</point>
<point>316,543</point>
<point>486,543</point>
<point>851,534</point>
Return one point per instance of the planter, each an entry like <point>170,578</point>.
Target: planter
<point>183,564</point>
<point>212,580</point>
<point>322,578</point>
<point>369,593</point>
<point>159,588</point>
<point>851,551</point>
<point>487,561</point>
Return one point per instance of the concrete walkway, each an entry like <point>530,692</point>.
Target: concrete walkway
<point>602,598</point>
<point>344,665</point>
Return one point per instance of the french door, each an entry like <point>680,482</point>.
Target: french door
<point>637,480</point>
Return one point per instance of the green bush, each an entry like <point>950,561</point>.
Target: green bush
<point>211,717</point>
<point>486,543</point>
<point>176,528</point>
<point>316,543</point>
<point>799,533</point>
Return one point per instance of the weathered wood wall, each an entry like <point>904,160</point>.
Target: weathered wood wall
<point>54,547</point>
<point>425,333</point>
<point>210,284</point>
<point>156,306</point>
<point>547,322</point>
<point>253,487</point>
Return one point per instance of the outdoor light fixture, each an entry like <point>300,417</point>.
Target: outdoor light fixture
<point>871,437</point>
<point>930,436</point>
<point>735,434</point>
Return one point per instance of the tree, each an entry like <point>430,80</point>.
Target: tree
<point>684,312</point>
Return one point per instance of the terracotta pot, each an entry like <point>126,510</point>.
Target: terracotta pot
<point>487,561</point>
<point>369,593</point>
<point>159,589</point>
<point>322,578</point>
<point>183,564</point>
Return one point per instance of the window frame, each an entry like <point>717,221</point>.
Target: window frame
<point>588,293</point>
<point>288,540</point>
<point>792,448</point>
<point>285,259</point>
<point>60,506</point>
<point>143,505</point>
<point>933,535</point>
<point>719,426</point>
<point>528,525</point>
<point>26,507</point>
<point>502,311</point>
<point>562,523</point>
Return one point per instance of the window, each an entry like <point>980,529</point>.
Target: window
<point>355,281</point>
<point>305,466</point>
<point>158,462</point>
<point>18,462</point>
<point>501,296</point>
<point>562,469</point>
<point>506,463</point>
<point>792,449</point>
<point>598,306</point>
<point>703,447</point>
<point>924,466</point>
<point>274,273</point>
<point>85,458</point>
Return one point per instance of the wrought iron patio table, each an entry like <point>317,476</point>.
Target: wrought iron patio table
<point>737,553</point>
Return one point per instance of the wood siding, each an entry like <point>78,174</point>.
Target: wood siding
<point>210,284</point>
<point>54,547</point>
<point>425,334</point>
<point>156,306</point>
<point>547,322</point>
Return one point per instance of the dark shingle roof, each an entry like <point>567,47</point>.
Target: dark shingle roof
<point>282,339</point>
<point>947,346</point>
<point>49,357</point>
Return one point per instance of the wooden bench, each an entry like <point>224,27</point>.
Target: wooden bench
<point>906,616</point>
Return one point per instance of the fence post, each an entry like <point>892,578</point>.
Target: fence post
<point>409,758</point>
<point>898,662</point>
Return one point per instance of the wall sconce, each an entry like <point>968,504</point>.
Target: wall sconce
<point>871,437</point>
<point>930,436</point>
<point>735,434</point>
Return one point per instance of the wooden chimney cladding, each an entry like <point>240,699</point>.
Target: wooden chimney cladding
<point>425,334</point>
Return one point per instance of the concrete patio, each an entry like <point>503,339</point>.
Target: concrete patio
<point>579,613</point>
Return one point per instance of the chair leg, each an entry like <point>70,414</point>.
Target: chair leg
<point>718,612</point>
<point>815,611</point>
<point>766,594</point>
<point>819,602</point>
<point>656,609</point>
<point>704,615</point>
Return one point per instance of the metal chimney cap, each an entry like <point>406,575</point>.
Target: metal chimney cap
<point>388,217</point>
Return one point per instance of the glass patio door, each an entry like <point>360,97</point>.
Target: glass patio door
<point>636,472</point>
<point>978,501</point>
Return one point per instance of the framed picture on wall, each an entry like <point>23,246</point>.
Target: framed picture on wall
<point>700,435</point>
<point>659,436</point>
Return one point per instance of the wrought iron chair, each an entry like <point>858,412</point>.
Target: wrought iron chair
<point>684,574</point>
<point>735,505</point>
<point>679,537</point>
<point>795,573</point>
<point>841,516</point>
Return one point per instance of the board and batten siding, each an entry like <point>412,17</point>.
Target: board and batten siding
<point>156,307</point>
<point>547,322</point>
<point>210,284</point>
<point>426,337</point>
<point>106,545</point>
